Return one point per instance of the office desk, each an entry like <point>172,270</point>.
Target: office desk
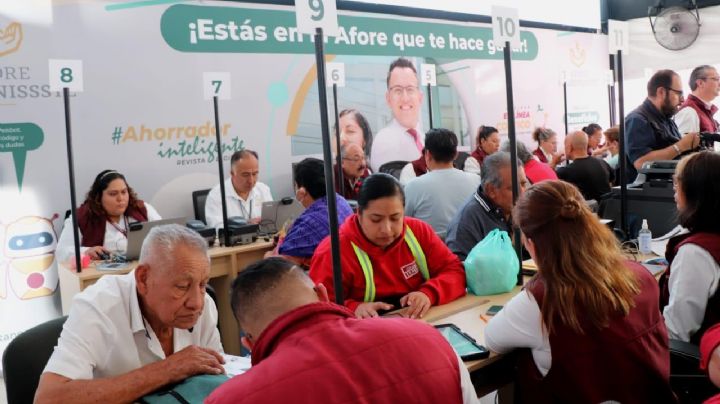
<point>225,263</point>
<point>465,313</point>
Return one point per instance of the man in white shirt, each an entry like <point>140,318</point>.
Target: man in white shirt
<point>437,196</point>
<point>244,195</point>
<point>696,113</point>
<point>129,335</point>
<point>402,139</point>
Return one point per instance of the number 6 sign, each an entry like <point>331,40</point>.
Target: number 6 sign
<point>335,74</point>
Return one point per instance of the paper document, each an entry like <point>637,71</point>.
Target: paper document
<point>658,247</point>
<point>236,365</point>
<point>672,233</point>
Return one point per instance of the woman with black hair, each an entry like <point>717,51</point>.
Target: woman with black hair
<point>104,218</point>
<point>389,260</point>
<point>354,128</point>
<point>689,288</point>
<point>595,134</point>
<point>487,142</point>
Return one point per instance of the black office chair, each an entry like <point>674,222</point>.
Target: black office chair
<point>393,168</point>
<point>689,383</point>
<point>459,161</point>
<point>199,198</point>
<point>25,358</point>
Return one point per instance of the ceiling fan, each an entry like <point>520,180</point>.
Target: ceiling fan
<point>676,27</point>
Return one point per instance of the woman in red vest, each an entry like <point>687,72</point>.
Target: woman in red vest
<point>589,317</point>
<point>690,286</point>
<point>546,151</point>
<point>487,142</point>
<point>104,218</point>
<point>389,260</point>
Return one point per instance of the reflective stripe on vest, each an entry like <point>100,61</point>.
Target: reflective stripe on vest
<point>367,267</point>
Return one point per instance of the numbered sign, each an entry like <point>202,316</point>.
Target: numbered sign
<point>427,75</point>
<point>618,37</point>
<point>66,73</point>
<point>311,14</point>
<point>506,26</point>
<point>335,74</point>
<point>216,84</point>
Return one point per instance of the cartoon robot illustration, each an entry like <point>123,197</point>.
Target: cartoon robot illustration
<point>29,249</point>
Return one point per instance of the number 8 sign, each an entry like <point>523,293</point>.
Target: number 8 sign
<point>65,73</point>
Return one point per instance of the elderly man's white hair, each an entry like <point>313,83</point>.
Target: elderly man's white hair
<point>161,241</point>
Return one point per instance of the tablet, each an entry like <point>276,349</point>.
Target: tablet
<point>463,344</point>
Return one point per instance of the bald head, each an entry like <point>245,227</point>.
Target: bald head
<point>266,290</point>
<point>578,142</point>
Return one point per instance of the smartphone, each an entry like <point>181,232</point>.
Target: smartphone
<point>463,344</point>
<point>493,310</point>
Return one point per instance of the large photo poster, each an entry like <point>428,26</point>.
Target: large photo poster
<point>142,110</point>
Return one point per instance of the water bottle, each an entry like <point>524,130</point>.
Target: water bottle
<point>644,238</point>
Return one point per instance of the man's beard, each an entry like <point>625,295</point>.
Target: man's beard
<point>667,108</point>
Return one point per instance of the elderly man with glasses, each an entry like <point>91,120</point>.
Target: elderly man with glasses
<point>696,113</point>
<point>650,133</point>
<point>354,168</point>
<point>402,139</point>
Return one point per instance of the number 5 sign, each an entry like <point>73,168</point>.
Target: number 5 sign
<point>506,26</point>
<point>427,75</point>
<point>66,73</point>
<point>311,14</point>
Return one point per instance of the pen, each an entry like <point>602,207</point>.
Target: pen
<point>484,319</point>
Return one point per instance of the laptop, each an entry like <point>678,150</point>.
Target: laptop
<point>277,215</point>
<point>138,232</point>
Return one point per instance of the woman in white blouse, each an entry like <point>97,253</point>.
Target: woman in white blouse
<point>689,287</point>
<point>589,317</point>
<point>104,218</point>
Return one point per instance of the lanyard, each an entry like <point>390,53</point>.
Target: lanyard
<point>122,231</point>
<point>245,213</point>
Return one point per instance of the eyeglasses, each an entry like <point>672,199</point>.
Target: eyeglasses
<point>397,91</point>
<point>678,92</point>
<point>710,78</point>
<point>354,159</point>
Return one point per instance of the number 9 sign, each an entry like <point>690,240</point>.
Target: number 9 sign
<point>311,14</point>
